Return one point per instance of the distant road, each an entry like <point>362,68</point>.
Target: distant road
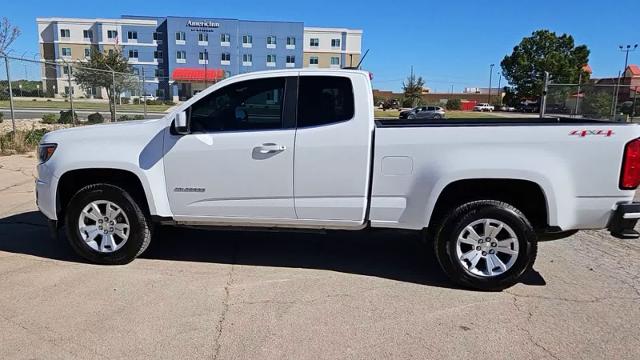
<point>37,113</point>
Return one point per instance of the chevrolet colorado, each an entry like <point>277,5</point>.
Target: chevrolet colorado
<point>301,149</point>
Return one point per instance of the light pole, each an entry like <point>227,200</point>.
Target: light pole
<point>625,49</point>
<point>499,88</point>
<point>20,87</point>
<point>490,78</point>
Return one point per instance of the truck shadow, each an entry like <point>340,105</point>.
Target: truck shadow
<point>392,255</point>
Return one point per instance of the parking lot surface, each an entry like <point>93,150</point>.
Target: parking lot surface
<point>281,295</point>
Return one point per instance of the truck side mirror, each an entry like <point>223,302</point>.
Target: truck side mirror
<point>182,123</point>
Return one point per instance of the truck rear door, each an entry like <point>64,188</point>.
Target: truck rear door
<point>333,147</point>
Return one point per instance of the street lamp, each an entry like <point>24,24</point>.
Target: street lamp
<point>38,86</point>
<point>20,87</point>
<point>626,50</point>
<point>490,78</point>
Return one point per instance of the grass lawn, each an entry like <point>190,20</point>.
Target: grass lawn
<point>449,114</point>
<point>79,105</point>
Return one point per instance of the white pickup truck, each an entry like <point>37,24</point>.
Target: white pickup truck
<point>300,149</point>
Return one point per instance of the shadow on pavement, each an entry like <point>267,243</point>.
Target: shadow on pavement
<point>386,254</point>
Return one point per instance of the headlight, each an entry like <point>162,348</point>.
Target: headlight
<point>45,152</point>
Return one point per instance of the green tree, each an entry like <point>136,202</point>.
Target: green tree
<point>100,70</point>
<point>412,88</point>
<point>454,104</point>
<point>544,51</point>
<point>596,102</point>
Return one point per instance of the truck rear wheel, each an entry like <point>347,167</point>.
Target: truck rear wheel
<point>105,225</point>
<point>486,245</point>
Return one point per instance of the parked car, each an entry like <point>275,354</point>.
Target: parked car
<point>240,156</point>
<point>507,108</point>
<point>528,108</point>
<point>483,107</point>
<point>423,112</point>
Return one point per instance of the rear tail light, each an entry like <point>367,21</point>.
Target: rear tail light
<point>630,175</point>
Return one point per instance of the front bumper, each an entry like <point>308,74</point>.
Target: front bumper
<point>624,219</point>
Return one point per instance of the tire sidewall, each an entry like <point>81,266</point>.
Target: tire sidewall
<point>119,197</point>
<point>447,245</point>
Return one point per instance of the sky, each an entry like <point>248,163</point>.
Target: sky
<point>447,43</point>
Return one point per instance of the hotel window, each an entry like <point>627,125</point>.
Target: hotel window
<point>271,41</point>
<point>159,73</point>
<point>203,56</point>
<point>65,33</point>
<point>247,40</point>
<point>180,37</point>
<point>66,51</point>
<point>181,56</point>
<point>132,35</point>
<point>157,37</point>
<point>314,42</point>
<point>87,34</point>
<point>87,52</point>
<point>335,43</point>
<point>291,61</point>
<point>65,70</point>
<point>335,61</point>
<point>203,37</point>
<point>157,54</point>
<point>112,34</point>
<point>313,60</point>
<point>291,40</point>
<point>136,71</point>
<point>225,38</point>
<point>225,59</point>
<point>110,52</point>
<point>133,54</point>
<point>271,60</point>
<point>247,59</point>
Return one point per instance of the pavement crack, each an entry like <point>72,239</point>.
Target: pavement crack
<point>525,329</point>
<point>225,303</point>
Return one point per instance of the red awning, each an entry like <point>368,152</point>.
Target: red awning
<point>195,74</point>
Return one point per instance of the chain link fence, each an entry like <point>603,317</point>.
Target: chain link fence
<point>50,92</point>
<point>601,101</point>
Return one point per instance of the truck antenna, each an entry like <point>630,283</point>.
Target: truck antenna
<point>362,59</point>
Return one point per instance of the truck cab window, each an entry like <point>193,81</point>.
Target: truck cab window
<point>324,100</point>
<point>244,106</point>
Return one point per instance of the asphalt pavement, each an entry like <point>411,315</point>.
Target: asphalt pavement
<point>281,295</point>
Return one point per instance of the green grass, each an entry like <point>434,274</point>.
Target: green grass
<point>449,114</point>
<point>79,105</point>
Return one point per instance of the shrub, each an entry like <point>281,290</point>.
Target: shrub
<point>453,104</point>
<point>66,117</point>
<point>124,118</point>
<point>125,100</point>
<point>169,102</point>
<point>95,118</point>
<point>49,119</point>
<point>21,141</point>
<point>138,117</point>
<point>48,100</point>
<point>34,100</point>
<point>1,117</point>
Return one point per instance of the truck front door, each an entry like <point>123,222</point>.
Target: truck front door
<point>236,165</point>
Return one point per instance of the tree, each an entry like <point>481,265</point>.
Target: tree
<point>8,34</point>
<point>99,71</point>
<point>412,88</point>
<point>596,102</point>
<point>454,104</point>
<point>544,51</point>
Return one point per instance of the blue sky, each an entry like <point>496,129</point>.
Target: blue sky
<point>448,43</point>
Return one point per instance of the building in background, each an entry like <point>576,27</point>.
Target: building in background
<point>180,56</point>
<point>332,47</point>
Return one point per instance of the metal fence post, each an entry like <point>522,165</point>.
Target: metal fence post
<point>13,116</point>
<point>144,93</point>
<point>543,102</point>
<point>115,113</point>
<point>614,102</point>
<point>73,113</point>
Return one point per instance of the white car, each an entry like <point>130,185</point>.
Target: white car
<point>300,149</point>
<point>483,107</point>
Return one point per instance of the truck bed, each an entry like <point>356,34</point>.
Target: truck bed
<point>506,121</point>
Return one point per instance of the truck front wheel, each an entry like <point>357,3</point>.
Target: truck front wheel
<point>105,225</point>
<point>486,245</point>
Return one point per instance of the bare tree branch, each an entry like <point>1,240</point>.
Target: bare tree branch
<point>8,34</point>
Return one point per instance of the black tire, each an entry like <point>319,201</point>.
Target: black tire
<point>446,238</point>
<point>140,227</point>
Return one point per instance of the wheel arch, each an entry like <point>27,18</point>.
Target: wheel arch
<point>526,195</point>
<point>73,180</point>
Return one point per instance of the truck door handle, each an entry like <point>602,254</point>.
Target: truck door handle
<point>270,148</point>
